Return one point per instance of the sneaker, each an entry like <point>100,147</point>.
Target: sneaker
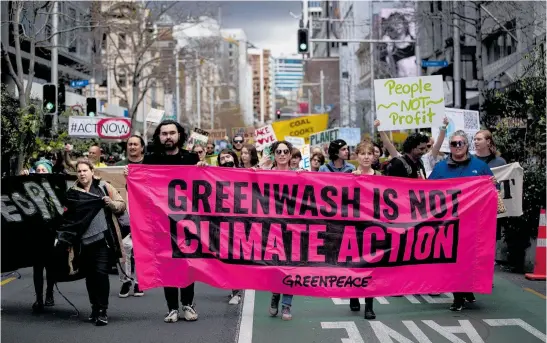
<point>124,291</point>
<point>50,301</point>
<point>189,313</point>
<point>286,312</point>
<point>274,304</point>
<point>235,299</point>
<point>137,292</point>
<point>457,307</point>
<point>470,298</point>
<point>102,318</point>
<point>354,305</point>
<point>369,313</point>
<point>93,316</point>
<point>172,316</point>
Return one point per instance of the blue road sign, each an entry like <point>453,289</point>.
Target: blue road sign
<point>437,64</point>
<point>79,83</point>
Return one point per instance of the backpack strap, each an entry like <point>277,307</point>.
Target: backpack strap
<point>405,163</point>
<point>330,168</point>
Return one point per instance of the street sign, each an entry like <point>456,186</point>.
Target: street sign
<point>79,83</point>
<point>326,109</point>
<point>426,64</point>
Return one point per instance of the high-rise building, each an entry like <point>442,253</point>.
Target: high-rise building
<point>288,73</point>
<point>262,105</point>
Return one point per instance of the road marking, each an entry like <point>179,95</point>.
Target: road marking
<point>8,280</point>
<point>535,292</point>
<point>517,322</point>
<point>246,324</point>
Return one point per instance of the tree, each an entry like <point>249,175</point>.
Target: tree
<point>29,26</point>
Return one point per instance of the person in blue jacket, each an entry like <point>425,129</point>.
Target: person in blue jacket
<point>460,163</point>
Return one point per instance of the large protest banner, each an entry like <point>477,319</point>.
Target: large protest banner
<point>409,102</point>
<point>311,233</point>
<point>32,207</point>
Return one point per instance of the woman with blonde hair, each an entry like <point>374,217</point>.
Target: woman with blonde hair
<point>486,150</point>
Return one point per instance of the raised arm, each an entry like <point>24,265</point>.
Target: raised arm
<point>439,142</point>
<point>386,141</point>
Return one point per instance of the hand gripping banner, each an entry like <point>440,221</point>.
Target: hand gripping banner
<point>314,234</point>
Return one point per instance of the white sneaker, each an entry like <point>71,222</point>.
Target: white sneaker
<point>189,313</point>
<point>235,299</point>
<point>172,316</point>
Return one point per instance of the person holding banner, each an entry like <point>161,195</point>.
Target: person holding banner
<point>169,138</point>
<point>317,160</point>
<point>460,163</point>
<point>296,157</point>
<point>249,156</point>
<point>200,150</point>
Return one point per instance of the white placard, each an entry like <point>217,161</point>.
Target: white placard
<point>264,136</point>
<point>99,127</point>
<point>296,142</point>
<point>155,116</point>
<point>305,163</point>
<point>459,119</point>
<point>409,103</point>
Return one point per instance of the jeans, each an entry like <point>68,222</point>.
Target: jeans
<point>286,299</point>
<point>172,297</point>
<point>125,271</point>
<point>95,263</point>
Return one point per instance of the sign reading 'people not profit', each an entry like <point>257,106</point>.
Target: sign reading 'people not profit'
<point>409,103</point>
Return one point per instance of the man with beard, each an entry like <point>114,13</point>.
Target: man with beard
<point>135,155</point>
<point>169,138</point>
<point>410,164</point>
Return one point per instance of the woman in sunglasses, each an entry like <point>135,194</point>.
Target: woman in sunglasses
<point>200,150</point>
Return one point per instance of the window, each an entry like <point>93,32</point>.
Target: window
<point>500,44</point>
<point>122,79</point>
<point>122,44</point>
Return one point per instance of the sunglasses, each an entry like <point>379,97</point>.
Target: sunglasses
<point>284,152</point>
<point>457,144</point>
<point>238,141</point>
<point>429,146</point>
<point>200,152</point>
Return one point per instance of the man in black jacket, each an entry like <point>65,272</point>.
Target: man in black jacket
<point>410,164</point>
<point>169,138</point>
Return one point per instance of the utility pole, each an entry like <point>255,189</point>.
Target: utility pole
<point>322,89</point>
<point>212,104</point>
<point>262,104</point>
<point>457,76</point>
<point>177,83</point>
<point>309,101</point>
<point>372,74</point>
<point>55,56</point>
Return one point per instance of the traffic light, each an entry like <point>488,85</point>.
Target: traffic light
<point>303,41</point>
<point>278,114</point>
<point>91,107</point>
<point>49,96</point>
<point>61,98</point>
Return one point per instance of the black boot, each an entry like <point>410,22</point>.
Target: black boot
<point>354,305</point>
<point>38,306</point>
<point>50,301</point>
<point>94,314</point>
<point>369,311</point>
<point>102,319</point>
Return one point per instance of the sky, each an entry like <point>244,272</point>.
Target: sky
<point>267,24</point>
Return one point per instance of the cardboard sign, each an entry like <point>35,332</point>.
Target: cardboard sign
<point>264,136</point>
<point>409,103</point>
<point>459,119</point>
<point>302,126</point>
<point>296,142</point>
<point>217,134</point>
<point>248,133</point>
<point>114,175</point>
<point>198,136</point>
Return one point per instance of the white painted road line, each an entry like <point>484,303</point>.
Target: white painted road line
<point>246,324</point>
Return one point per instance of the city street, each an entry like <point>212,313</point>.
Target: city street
<point>514,312</point>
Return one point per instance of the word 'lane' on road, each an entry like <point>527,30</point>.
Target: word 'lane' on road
<point>508,315</point>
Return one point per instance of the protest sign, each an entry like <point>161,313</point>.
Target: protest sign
<point>409,103</point>
<point>305,163</point>
<point>217,134</point>
<point>459,119</point>
<point>312,234</point>
<point>248,133</point>
<point>198,136</point>
<point>264,136</point>
<point>510,178</point>
<point>351,135</point>
<point>32,207</point>
<point>113,175</point>
<point>302,126</point>
<point>297,142</point>
<point>324,137</point>
<point>96,127</point>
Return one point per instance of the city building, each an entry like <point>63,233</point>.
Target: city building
<point>263,106</point>
<point>288,75</point>
<point>314,15</point>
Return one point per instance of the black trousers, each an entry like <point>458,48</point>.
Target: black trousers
<point>172,296</point>
<point>44,261</point>
<point>95,259</point>
<point>459,297</point>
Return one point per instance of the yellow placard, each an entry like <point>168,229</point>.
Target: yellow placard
<point>301,126</point>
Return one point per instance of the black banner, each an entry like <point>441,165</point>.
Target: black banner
<point>32,209</point>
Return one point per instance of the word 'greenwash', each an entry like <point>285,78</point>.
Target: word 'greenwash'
<point>415,110</point>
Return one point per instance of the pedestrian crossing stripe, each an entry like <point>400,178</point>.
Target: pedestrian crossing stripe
<point>445,298</point>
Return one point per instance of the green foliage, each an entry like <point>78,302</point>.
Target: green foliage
<point>517,120</point>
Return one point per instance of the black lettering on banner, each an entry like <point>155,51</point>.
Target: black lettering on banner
<point>313,242</point>
<point>389,195</point>
<point>441,210</point>
<point>201,197</point>
<point>506,184</point>
<point>419,204</point>
<point>284,203</point>
<point>238,196</point>
<point>455,202</point>
<point>308,202</point>
<point>354,202</point>
<point>326,198</point>
<point>171,195</point>
<point>221,196</point>
<point>261,197</point>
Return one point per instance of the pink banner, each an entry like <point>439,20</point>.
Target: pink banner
<point>315,234</point>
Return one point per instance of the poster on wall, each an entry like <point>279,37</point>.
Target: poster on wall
<point>399,58</point>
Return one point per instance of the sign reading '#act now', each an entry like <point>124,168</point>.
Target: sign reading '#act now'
<point>94,127</point>
<point>409,103</point>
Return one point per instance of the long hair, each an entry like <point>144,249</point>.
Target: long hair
<point>489,138</point>
<point>251,149</point>
<point>180,129</point>
<point>229,152</point>
<point>274,148</point>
